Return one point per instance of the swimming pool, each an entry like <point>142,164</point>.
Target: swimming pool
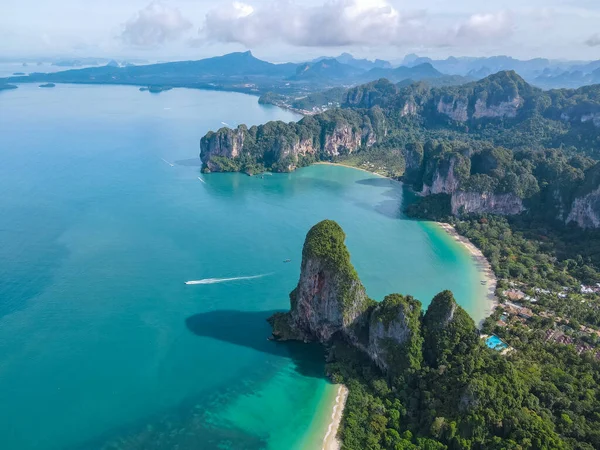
<point>495,343</point>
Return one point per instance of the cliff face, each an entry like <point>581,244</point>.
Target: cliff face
<point>394,334</point>
<point>585,211</point>
<point>443,179</point>
<point>345,138</point>
<point>455,108</point>
<point>279,147</point>
<point>477,202</point>
<point>508,108</point>
<point>330,301</point>
<point>226,142</point>
<point>329,297</point>
<point>583,206</point>
<point>592,115</point>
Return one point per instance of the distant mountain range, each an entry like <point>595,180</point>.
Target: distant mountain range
<point>244,72</point>
<point>364,64</point>
<point>541,72</point>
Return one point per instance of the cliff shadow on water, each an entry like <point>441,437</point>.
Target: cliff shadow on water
<point>397,195</point>
<point>250,329</point>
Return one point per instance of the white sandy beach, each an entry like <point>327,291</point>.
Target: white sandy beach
<point>352,167</point>
<point>331,441</point>
<point>481,262</point>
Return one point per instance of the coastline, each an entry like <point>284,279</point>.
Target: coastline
<point>351,167</point>
<point>481,262</point>
<point>331,441</point>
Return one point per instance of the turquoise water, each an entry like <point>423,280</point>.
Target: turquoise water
<point>103,218</point>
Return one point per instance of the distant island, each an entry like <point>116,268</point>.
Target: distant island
<point>47,85</point>
<point>156,89</point>
<point>19,73</point>
<point>7,87</point>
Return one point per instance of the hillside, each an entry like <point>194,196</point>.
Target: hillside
<point>428,381</point>
<point>325,69</point>
<point>498,145</point>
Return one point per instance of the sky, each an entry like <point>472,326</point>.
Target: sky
<point>296,30</point>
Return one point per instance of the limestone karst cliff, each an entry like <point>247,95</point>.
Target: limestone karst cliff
<point>330,302</point>
<point>282,147</point>
<point>329,297</point>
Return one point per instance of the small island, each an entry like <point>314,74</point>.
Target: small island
<point>156,89</point>
<point>47,85</point>
<point>7,87</point>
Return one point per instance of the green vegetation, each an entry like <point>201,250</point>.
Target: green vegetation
<point>317,101</point>
<point>464,396</point>
<point>326,242</point>
<point>442,388</point>
<point>383,161</point>
<point>395,309</point>
<point>282,147</point>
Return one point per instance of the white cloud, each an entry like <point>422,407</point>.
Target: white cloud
<point>594,40</point>
<point>154,25</point>
<point>486,26</point>
<point>338,23</point>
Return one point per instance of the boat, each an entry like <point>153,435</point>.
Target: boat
<point>287,260</point>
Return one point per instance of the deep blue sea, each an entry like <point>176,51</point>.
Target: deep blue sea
<point>104,215</point>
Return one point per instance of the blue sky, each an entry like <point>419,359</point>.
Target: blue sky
<point>283,30</point>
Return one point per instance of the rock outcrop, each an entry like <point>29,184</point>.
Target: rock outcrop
<point>508,108</point>
<point>455,108</point>
<point>330,302</point>
<point>394,334</point>
<point>585,210</point>
<point>226,142</point>
<point>443,178</point>
<point>583,205</point>
<point>329,297</point>
<point>591,114</point>
<point>482,202</point>
<point>281,147</point>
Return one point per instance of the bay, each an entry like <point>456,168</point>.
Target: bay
<point>104,215</point>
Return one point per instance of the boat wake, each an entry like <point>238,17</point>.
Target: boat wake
<point>202,180</point>
<point>226,124</point>
<point>225,280</point>
<point>167,162</point>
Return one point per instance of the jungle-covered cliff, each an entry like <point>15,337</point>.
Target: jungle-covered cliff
<point>416,380</point>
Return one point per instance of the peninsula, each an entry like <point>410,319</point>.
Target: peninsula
<point>415,380</point>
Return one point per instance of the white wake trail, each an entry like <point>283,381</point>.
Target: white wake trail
<point>202,180</point>
<point>225,280</point>
<point>226,124</point>
<point>167,162</point>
